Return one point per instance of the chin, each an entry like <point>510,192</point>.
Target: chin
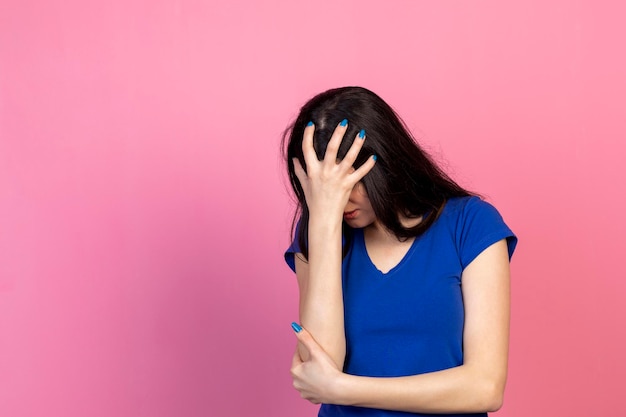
<point>353,223</point>
<point>357,223</point>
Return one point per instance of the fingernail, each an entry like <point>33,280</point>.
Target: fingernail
<point>362,133</point>
<point>309,124</point>
<point>375,158</point>
<point>343,122</point>
<point>296,327</point>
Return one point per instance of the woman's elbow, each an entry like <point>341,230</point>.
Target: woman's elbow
<point>492,396</point>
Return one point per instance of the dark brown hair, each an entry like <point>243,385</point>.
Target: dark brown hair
<point>404,180</point>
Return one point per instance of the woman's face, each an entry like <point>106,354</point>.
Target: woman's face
<point>359,212</point>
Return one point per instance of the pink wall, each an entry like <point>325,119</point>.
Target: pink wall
<point>143,211</point>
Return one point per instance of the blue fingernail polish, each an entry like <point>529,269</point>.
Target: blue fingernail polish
<point>362,133</point>
<point>343,122</point>
<point>309,124</point>
<point>296,327</point>
<point>375,158</point>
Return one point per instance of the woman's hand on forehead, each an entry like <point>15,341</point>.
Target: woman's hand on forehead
<point>327,183</point>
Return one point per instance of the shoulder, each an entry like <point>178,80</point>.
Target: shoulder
<point>476,224</point>
<point>468,204</point>
<point>461,210</point>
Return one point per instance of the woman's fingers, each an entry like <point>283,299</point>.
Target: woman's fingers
<point>329,167</point>
<point>296,360</point>
<point>363,169</point>
<point>306,340</point>
<point>332,149</point>
<point>310,158</point>
<point>353,152</point>
<point>299,171</point>
<point>335,141</point>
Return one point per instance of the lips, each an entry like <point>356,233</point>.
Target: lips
<point>350,214</point>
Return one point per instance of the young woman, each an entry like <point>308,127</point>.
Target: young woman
<point>403,275</point>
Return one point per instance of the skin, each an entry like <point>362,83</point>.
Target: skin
<point>332,189</point>
<point>328,187</point>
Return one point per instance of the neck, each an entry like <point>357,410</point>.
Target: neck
<point>377,231</point>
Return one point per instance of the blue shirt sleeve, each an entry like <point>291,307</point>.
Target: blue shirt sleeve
<point>293,249</point>
<point>480,226</point>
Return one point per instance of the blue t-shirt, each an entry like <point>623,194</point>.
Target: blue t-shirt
<point>409,320</point>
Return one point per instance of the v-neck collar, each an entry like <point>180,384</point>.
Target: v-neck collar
<point>360,240</point>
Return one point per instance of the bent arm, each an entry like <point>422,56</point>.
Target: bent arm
<point>475,386</point>
<point>319,282</point>
<point>327,186</point>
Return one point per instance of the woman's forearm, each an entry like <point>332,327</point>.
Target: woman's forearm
<point>321,298</point>
<point>463,389</point>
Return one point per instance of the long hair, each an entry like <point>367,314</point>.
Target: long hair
<point>405,179</point>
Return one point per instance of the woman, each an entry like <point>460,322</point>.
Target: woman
<point>403,275</point>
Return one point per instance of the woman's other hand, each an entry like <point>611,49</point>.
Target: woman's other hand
<point>316,376</point>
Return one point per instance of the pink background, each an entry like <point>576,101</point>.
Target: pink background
<point>143,207</point>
